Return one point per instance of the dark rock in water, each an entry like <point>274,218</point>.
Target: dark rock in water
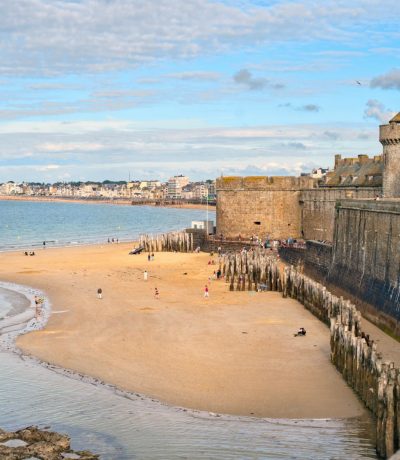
<point>37,444</point>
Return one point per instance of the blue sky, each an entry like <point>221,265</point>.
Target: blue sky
<point>100,89</point>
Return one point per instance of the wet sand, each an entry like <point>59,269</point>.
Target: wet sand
<point>232,353</point>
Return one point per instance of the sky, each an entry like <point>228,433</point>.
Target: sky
<point>119,89</point>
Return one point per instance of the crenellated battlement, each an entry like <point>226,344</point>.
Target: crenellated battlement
<point>389,134</point>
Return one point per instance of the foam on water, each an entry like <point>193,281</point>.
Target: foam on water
<point>124,426</point>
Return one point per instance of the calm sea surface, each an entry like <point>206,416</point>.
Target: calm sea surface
<point>26,224</point>
<point>122,427</point>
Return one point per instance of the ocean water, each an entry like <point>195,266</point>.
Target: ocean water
<point>26,224</point>
<point>126,428</point>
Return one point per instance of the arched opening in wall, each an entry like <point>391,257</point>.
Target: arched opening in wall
<point>257,222</point>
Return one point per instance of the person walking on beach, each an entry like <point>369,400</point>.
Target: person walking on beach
<point>145,275</point>
<point>148,258</point>
<point>206,293</point>
<point>99,293</point>
<point>156,293</point>
<point>37,307</point>
<point>44,244</point>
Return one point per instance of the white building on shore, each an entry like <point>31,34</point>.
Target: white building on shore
<point>175,185</point>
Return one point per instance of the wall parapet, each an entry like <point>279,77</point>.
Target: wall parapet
<point>264,183</point>
<point>389,134</point>
<point>372,205</point>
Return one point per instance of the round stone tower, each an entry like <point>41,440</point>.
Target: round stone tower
<point>389,137</point>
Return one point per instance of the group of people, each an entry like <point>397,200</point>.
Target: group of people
<point>30,253</point>
<point>150,258</point>
<point>113,240</point>
<point>217,274</point>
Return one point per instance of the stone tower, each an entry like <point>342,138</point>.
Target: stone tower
<point>389,137</point>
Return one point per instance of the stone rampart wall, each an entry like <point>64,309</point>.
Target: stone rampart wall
<point>366,255</point>
<point>293,256</point>
<point>260,206</point>
<point>318,208</point>
<point>378,300</point>
<point>318,257</point>
<point>281,207</point>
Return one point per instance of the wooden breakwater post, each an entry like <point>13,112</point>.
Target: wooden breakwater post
<point>353,352</point>
<point>167,242</point>
<point>251,270</point>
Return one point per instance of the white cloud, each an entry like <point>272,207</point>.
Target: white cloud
<point>244,77</point>
<point>100,150</point>
<point>47,168</point>
<point>389,80</point>
<point>195,75</point>
<point>57,37</point>
<point>378,111</point>
<point>70,147</point>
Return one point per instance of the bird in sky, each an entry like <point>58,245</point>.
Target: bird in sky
<point>358,83</point>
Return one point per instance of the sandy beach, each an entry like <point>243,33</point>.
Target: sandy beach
<point>232,353</point>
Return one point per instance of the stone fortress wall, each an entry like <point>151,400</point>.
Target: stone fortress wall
<point>297,207</point>
<point>366,243</point>
<point>260,206</point>
<point>318,208</point>
<point>366,256</point>
<point>362,229</point>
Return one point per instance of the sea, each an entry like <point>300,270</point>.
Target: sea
<point>122,426</point>
<point>27,224</point>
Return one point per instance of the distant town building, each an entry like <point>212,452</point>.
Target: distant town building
<point>211,189</point>
<point>175,186</point>
<point>149,184</point>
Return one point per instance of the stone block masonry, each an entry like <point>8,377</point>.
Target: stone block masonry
<point>389,137</point>
<point>366,255</point>
<point>318,208</point>
<point>281,207</point>
<point>260,206</point>
<point>364,260</point>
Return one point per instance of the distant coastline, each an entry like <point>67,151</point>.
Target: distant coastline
<point>96,200</point>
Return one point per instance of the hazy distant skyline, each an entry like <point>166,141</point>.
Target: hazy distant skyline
<point>98,89</point>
